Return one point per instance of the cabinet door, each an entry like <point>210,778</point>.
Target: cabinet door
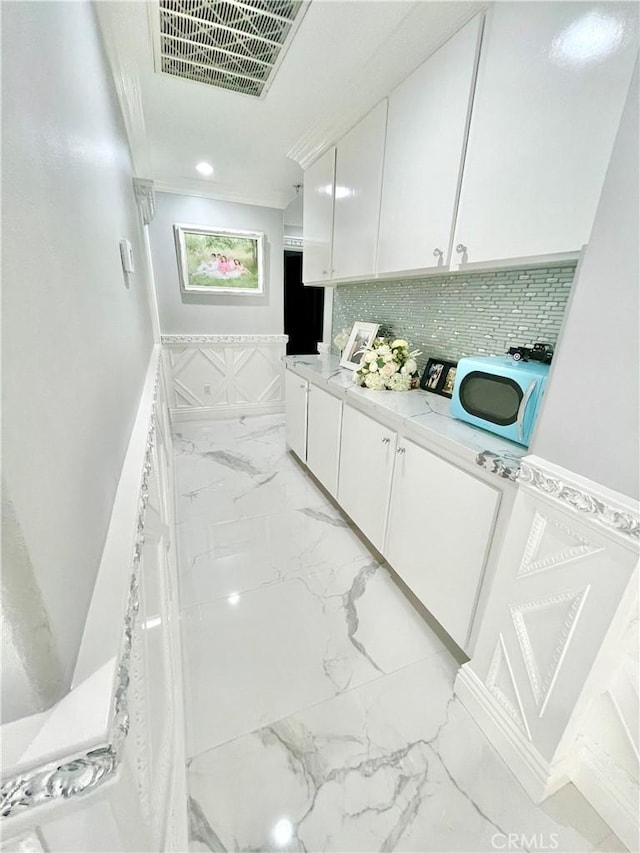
<point>426,133</point>
<point>323,437</point>
<point>440,525</point>
<point>366,462</point>
<point>317,218</point>
<point>551,86</point>
<point>295,390</point>
<point>357,202</point>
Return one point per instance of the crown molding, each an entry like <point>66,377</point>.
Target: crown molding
<point>118,23</point>
<point>223,192</point>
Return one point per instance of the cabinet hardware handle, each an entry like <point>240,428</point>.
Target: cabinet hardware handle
<point>437,253</point>
<point>303,386</point>
<point>461,249</point>
<point>401,450</point>
<point>324,272</point>
<point>386,440</point>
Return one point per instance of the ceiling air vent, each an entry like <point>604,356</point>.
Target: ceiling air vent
<point>233,44</point>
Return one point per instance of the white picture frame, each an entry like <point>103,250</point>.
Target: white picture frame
<point>199,249</point>
<point>361,337</point>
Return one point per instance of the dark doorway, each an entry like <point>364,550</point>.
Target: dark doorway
<point>303,309</point>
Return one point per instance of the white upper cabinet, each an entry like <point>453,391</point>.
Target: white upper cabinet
<point>551,84</point>
<point>357,196</point>
<point>426,131</point>
<point>318,218</point>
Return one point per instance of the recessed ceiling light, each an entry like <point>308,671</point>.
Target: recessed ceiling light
<point>205,169</point>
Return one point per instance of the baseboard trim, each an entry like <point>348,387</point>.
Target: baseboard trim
<point>233,410</point>
<point>534,773</point>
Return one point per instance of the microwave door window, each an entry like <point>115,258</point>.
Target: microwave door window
<point>493,398</point>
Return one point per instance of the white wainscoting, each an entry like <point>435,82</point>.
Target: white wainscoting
<point>224,375</point>
<point>608,757</point>
<point>105,768</point>
<point>540,681</point>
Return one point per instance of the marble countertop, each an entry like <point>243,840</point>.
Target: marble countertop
<point>418,415</point>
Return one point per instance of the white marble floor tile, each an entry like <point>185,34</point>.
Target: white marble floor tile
<point>395,764</point>
<point>612,844</point>
<point>352,749</point>
<point>210,489</point>
<point>319,705</point>
<point>258,656</point>
<point>229,557</point>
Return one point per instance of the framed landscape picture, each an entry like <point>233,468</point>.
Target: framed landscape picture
<point>219,260</point>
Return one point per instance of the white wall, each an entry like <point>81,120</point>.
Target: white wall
<point>590,420</point>
<point>76,334</point>
<point>293,211</point>
<point>192,313</point>
<point>293,215</point>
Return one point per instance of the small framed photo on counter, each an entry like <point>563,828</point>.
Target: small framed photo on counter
<point>361,337</point>
<point>439,376</point>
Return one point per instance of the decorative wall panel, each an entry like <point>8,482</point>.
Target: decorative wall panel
<point>503,687</point>
<point>544,629</point>
<point>211,374</point>
<point>607,766</point>
<point>565,570</point>
<point>550,545</point>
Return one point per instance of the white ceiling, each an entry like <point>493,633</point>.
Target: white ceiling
<point>345,56</point>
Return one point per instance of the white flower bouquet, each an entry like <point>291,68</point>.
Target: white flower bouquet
<point>388,365</point>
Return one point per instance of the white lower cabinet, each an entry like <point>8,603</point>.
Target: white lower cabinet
<point>366,465</point>
<point>440,527</point>
<point>324,421</point>
<point>296,389</point>
<point>432,521</point>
